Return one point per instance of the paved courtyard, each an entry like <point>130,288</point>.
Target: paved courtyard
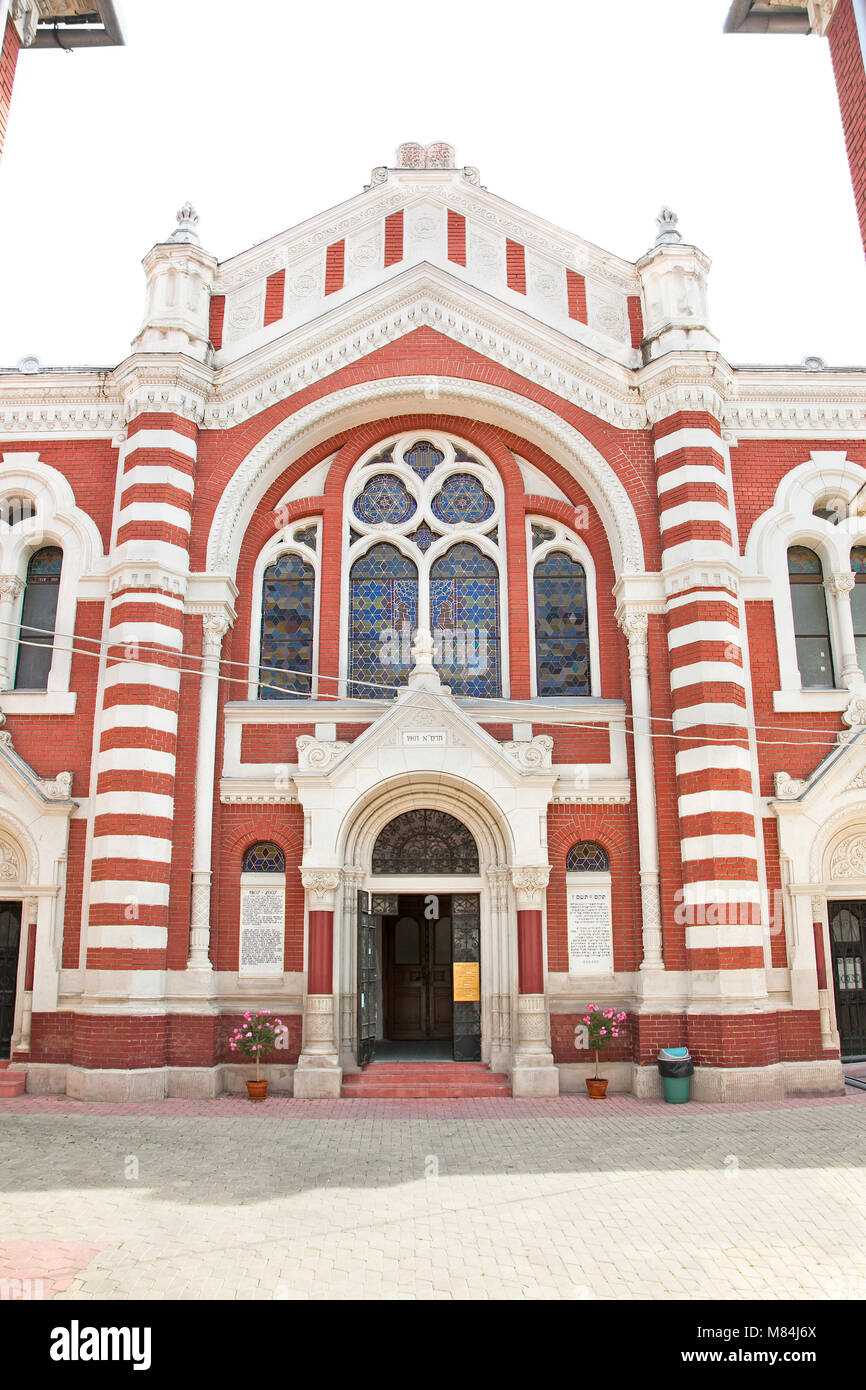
<point>564,1199</point>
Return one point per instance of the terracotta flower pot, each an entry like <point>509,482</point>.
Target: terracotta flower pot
<point>596,1085</point>
<point>257,1089</point>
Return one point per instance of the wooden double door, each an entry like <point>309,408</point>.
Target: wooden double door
<point>417,969</point>
<point>848,946</point>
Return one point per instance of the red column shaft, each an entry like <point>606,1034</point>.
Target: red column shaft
<point>320,974</point>
<point>530,964</point>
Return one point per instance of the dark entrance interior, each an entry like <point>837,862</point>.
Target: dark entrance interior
<point>848,946</point>
<point>408,945</point>
<point>10,935</point>
<point>416,969</point>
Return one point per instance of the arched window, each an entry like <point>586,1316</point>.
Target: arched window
<point>38,616</point>
<point>561,626</point>
<point>288,597</point>
<point>383,614</point>
<point>587,857</point>
<point>425,842</point>
<point>264,858</point>
<point>811,626</point>
<point>858,602</point>
<point>464,612</point>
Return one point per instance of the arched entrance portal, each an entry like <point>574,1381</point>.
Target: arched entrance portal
<point>419,948</point>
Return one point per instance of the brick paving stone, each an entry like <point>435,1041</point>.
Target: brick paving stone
<point>534,1200</point>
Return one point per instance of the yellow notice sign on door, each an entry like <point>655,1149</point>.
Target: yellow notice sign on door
<point>467,984</point>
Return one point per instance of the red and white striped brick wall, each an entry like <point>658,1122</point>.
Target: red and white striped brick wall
<point>708,688</point>
<point>134,803</point>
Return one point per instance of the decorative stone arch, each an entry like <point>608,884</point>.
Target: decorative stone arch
<point>469,804</point>
<point>15,837</point>
<point>831,836</point>
<point>372,400</point>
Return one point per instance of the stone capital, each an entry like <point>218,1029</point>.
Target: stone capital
<point>10,586</point>
<point>840,583</point>
<point>530,883</point>
<point>321,886</point>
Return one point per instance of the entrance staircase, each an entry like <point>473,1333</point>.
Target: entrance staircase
<point>425,1081</point>
<point>12,1083</point>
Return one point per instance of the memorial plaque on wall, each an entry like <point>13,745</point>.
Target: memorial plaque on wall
<point>590,937</point>
<point>263,914</point>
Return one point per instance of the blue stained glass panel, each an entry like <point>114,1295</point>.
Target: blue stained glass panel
<point>540,534</point>
<point>462,500</point>
<point>858,559</point>
<point>384,500</point>
<point>288,596</point>
<point>264,858</point>
<point>561,626</point>
<point>587,857</point>
<point>383,615</point>
<point>464,608</point>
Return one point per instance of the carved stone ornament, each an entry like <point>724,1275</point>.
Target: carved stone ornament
<point>58,788</point>
<point>787,787</point>
<point>10,868</point>
<point>10,586</point>
<point>855,715</point>
<point>314,754</point>
<point>530,883</point>
<point>634,624</point>
<point>857,783</point>
<point>320,883</point>
<point>841,583</point>
<point>537,753</point>
<point>849,858</point>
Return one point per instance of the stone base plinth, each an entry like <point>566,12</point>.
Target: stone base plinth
<point>535,1081</point>
<point>317,1083</point>
<point>139,1085</point>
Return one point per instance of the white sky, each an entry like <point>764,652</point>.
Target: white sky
<point>590,114</point>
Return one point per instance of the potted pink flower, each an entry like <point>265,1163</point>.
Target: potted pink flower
<point>257,1034</point>
<point>603,1026</point>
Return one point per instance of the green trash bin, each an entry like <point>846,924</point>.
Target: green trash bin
<point>676,1069</point>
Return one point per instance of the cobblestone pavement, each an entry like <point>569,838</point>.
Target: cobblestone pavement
<point>565,1199</point>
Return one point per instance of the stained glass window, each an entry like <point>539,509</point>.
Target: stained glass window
<point>264,858</point>
<point>287,629</point>
<point>464,609</point>
<point>586,857</point>
<point>383,615</point>
<point>307,537</point>
<point>561,626</point>
<point>540,534</point>
<point>462,501</point>
<point>423,537</point>
<point>423,457</point>
<point>38,616</point>
<point>384,500</point>
<point>811,627</point>
<point>858,602</point>
<point>425,842</point>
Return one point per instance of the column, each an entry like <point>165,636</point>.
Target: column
<point>839,588</point>
<point>634,624</point>
<point>10,589</point>
<point>499,879</point>
<point>715,797</point>
<point>318,1075</point>
<point>353,880</point>
<point>533,1072</point>
<point>20,1042</point>
<point>215,624</point>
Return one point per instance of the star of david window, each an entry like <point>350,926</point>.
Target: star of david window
<point>425,842</point>
<point>384,500</point>
<point>586,857</point>
<point>435,578</point>
<point>462,499</point>
<point>286,653</point>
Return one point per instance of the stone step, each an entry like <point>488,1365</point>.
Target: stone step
<point>424,1081</point>
<point>12,1083</point>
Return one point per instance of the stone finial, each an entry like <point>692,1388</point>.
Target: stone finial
<point>187,222</point>
<point>667,228</point>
